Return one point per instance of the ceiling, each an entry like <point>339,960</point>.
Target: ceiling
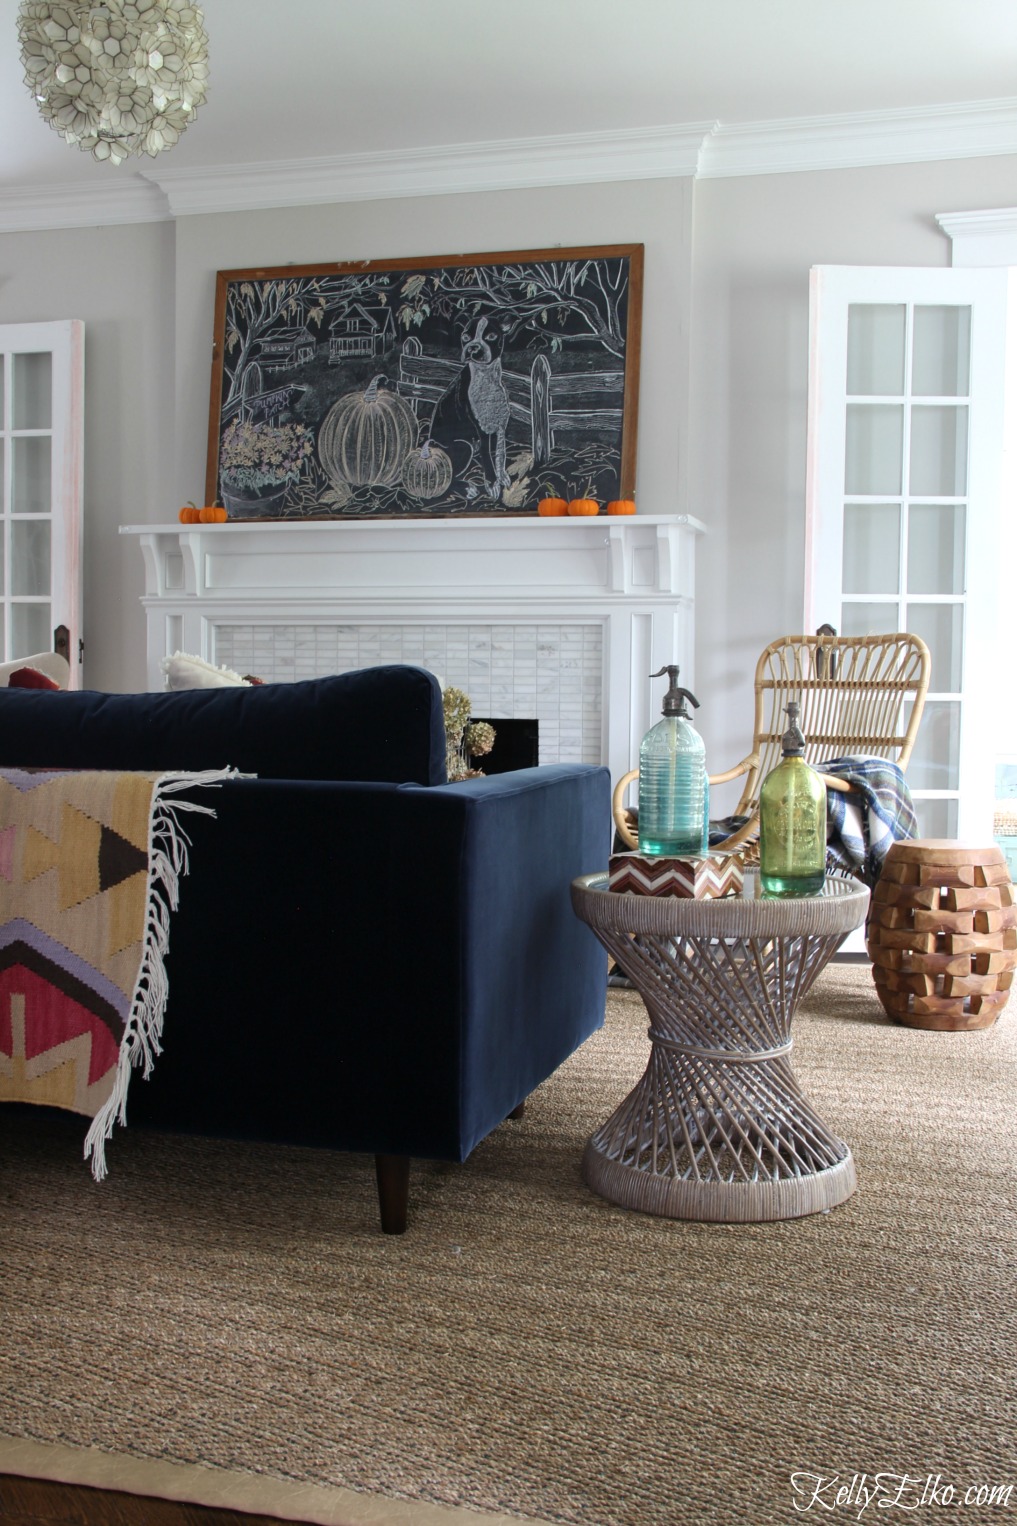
<point>301,79</point>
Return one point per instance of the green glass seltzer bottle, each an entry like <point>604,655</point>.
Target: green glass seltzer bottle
<point>792,821</point>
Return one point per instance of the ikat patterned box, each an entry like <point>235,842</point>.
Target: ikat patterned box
<point>713,874</point>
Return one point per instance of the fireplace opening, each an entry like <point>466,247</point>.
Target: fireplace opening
<point>515,746</point>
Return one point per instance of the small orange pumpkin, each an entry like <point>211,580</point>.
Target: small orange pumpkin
<point>212,514</point>
<point>551,507</point>
<point>584,506</point>
<point>189,514</point>
<point>621,506</point>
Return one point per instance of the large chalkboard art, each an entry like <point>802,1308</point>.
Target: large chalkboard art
<point>473,384</point>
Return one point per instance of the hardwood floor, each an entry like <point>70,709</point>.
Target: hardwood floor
<point>37,1502</point>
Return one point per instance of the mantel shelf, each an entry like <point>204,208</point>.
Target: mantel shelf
<point>482,523</point>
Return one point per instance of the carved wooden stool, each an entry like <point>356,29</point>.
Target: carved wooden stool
<point>942,934</point>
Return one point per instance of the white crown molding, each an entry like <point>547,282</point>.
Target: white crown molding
<point>961,130</point>
<point>702,150</point>
<point>981,238</point>
<point>76,206</point>
<point>998,220</point>
<point>581,158</point>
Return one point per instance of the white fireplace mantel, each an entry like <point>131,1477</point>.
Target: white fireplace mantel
<point>606,601</point>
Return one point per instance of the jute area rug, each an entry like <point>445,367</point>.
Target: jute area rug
<point>527,1349</point>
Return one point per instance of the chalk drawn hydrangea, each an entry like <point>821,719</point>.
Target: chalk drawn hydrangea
<point>263,455</point>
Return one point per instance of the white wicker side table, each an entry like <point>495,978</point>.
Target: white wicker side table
<point>718,1128</point>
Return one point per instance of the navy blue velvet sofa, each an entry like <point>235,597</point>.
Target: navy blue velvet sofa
<point>365,957</point>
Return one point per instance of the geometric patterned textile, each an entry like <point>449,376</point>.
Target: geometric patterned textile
<point>90,864</point>
<point>700,877</point>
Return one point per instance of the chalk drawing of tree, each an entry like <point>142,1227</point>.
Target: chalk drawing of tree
<point>253,308</point>
<point>587,296</point>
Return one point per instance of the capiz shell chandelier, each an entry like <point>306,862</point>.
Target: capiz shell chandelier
<point>115,77</point>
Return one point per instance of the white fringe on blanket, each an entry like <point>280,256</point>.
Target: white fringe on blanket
<point>167,861</point>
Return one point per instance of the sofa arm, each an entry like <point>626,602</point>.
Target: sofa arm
<point>530,976</point>
<point>375,967</point>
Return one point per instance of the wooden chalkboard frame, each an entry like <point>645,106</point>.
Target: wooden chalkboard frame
<point>471,384</point>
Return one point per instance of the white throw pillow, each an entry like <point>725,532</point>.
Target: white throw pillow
<point>185,672</point>
<point>51,663</point>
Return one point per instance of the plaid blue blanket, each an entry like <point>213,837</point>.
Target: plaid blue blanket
<point>861,826</point>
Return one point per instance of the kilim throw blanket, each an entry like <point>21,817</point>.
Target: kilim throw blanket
<point>90,865</point>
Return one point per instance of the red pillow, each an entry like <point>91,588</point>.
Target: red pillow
<point>30,678</point>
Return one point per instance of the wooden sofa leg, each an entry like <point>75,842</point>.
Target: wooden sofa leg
<point>517,1112</point>
<point>393,1174</point>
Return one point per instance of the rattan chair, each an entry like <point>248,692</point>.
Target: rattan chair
<point>858,695</point>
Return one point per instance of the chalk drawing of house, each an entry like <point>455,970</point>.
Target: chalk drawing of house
<point>284,348</point>
<point>359,330</point>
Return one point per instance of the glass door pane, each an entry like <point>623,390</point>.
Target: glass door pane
<point>941,628</point>
<point>936,818</point>
<point>31,474</point>
<point>941,352</point>
<point>917,448</point>
<point>875,351</point>
<point>33,391</point>
<point>866,618</point>
<point>909,412</point>
<point>28,529</point>
<point>872,547</point>
<point>30,630</point>
<point>30,558</point>
<point>936,548</point>
<point>41,439</point>
<point>874,449</point>
<point>939,451</point>
<point>934,762</point>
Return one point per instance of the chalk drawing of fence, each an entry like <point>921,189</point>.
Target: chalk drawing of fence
<point>553,408</point>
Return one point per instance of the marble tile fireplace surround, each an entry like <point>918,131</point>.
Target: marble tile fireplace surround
<point>559,619</point>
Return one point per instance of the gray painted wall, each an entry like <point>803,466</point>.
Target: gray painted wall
<point>723,379</point>
<point>120,282</point>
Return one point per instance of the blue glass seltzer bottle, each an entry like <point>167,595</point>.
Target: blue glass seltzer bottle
<point>673,786</point>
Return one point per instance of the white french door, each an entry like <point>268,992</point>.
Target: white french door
<point>41,470</point>
<point>907,475</point>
